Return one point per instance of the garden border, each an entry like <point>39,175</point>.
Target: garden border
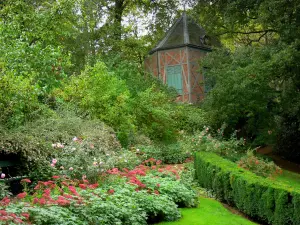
<point>260,198</point>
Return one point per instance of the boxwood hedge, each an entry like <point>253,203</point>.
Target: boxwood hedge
<point>264,200</point>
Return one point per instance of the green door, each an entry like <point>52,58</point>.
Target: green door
<point>174,78</point>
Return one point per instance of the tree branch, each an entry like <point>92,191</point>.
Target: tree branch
<point>247,33</point>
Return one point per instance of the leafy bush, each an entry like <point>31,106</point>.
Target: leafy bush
<point>261,198</point>
<point>125,201</point>
<point>154,114</point>
<point>103,96</point>
<point>258,166</point>
<point>32,142</point>
<point>89,159</point>
<point>19,101</point>
<point>180,193</point>
<point>232,148</point>
<point>171,153</point>
<point>190,118</point>
<point>4,190</point>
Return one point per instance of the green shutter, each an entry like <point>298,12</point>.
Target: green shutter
<point>174,78</point>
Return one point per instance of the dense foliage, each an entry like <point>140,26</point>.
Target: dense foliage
<point>263,199</point>
<point>139,196</point>
<point>256,77</point>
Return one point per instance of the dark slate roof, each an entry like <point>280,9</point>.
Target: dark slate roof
<point>184,32</point>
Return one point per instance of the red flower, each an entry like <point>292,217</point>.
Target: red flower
<point>111,191</point>
<point>62,201</point>
<point>156,192</point>
<point>35,200</point>
<point>26,215</point>
<point>73,190</point>
<point>55,177</point>
<point>3,213</point>
<point>82,186</point>
<point>256,162</point>
<point>158,185</point>
<point>5,201</point>
<point>93,186</point>
<point>25,181</point>
<point>68,196</point>
<point>85,181</point>
<point>22,195</point>
<point>43,201</point>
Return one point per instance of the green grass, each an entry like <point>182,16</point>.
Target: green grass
<point>209,212</point>
<point>289,178</point>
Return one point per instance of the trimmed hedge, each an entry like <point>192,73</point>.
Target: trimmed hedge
<point>262,199</point>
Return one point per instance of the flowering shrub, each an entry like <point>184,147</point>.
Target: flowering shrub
<point>214,142</point>
<point>148,193</point>
<point>259,166</point>
<point>83,157</point>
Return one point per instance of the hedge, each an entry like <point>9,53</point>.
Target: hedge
<point>264,200</point>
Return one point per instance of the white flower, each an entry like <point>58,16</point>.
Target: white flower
<point>71,168</point>
<point>137,150</point>
<point>73,149</point>
<point>95,163</point>
<point>75,138</point>
<point>53,145</point>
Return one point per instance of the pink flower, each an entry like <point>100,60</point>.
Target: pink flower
<point>75,139</point>
<point>25,181</point>
<point>22,195</point>
<point>55,177</point>
<point>53,165</point>
<point>93,186</point>
<point>156,192</point>
<point>111,191</point>
<point>2,175</point>
<point>158,185</point>
<point>54,161</point>
<point>71,168</point>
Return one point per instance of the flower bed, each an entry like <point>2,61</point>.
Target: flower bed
<point>146,194</point>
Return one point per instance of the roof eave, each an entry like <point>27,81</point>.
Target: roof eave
<point>206,48</point>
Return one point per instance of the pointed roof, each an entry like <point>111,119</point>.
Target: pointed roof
<point>184,32</point>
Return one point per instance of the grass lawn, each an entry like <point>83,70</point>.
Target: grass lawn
<point>209,212</point>
<point>289,178</point>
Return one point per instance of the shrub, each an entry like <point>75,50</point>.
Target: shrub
<point>263,199</point>
<point>19,101</point>
<point>259,166</point>
<point>171,153</point>
<point>102,95</point>
<point>190,118</point>
<point>153,110</point>
<point>4,189</point>
<point>181,194</point>
<point>32,143</point>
